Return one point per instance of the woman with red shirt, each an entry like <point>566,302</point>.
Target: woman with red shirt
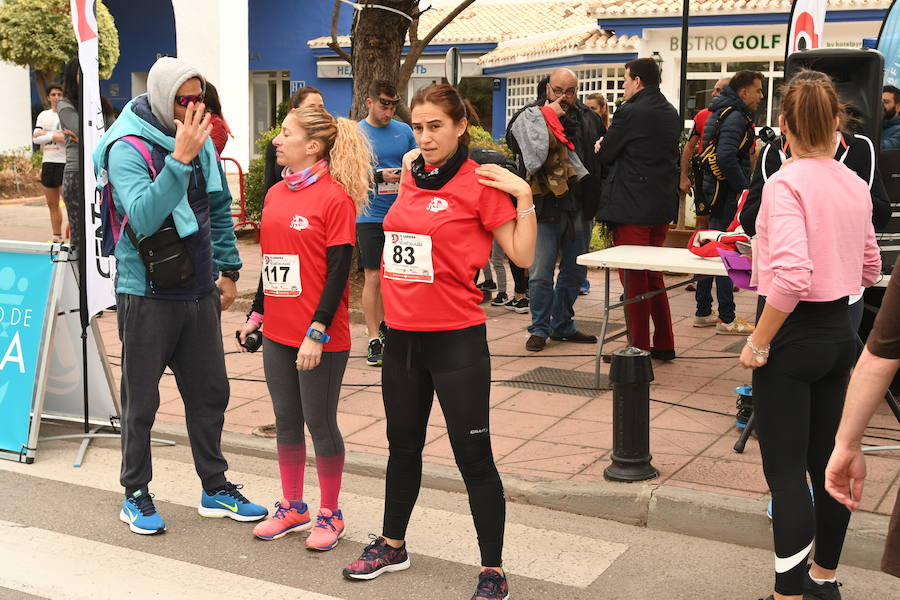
<point>307,232</point>
<point>438,233</point>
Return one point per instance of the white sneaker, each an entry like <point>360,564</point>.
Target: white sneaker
<point>707,321</point>
<point>736,327</point>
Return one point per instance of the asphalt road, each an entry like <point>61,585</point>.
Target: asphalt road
<point>62,539</point>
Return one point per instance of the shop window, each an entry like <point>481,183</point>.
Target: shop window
<point>705,67</point>
<point>699,94</point>
<point>520,91</point>
<point>607,80</point>
<point>761,66</point>
<point>479,91</point>
<point>700,84</point>
<point>268,89</point>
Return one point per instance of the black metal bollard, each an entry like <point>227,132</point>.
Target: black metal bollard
<point>631,373</point>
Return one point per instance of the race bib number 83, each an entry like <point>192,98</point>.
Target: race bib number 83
<point>281,275</point>
<point>407,257</point>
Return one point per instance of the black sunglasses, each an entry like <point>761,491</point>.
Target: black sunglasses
<point>389,102</point>
<point>185,100</point>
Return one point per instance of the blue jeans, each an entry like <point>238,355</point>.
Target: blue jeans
<point>724,285</point>
<point>552,307</point>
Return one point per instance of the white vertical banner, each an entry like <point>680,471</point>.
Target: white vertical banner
<point>806,26</point>
<point>100,270</point>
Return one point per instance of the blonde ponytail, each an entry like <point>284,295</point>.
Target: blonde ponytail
<point>351,162</point>
<point>349,153</point>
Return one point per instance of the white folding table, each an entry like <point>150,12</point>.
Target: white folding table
<point>652,258</point>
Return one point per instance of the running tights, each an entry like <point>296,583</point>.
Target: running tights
<point>309,397</point>
<point>798,397</point>
<point>456,365</point>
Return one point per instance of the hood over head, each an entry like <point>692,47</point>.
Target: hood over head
<point>166,76</point>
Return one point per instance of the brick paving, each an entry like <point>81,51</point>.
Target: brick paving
<point>537,434</point>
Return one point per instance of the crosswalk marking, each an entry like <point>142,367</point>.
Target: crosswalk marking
<point>551,556</point>
<point>84,569</point>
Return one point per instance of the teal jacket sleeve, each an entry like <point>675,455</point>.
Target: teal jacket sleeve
<point>224,244</point>
<point>146,202</point>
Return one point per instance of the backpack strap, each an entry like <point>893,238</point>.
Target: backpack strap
<point>141,146</point>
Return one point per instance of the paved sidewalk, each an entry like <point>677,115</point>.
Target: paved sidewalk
<point>547,434</point>
<point>557,433</point>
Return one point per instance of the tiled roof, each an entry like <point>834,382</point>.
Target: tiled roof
<point>499,20</point>
<point>495,21</point>
<point>639,8</point>
<point>587,40</point>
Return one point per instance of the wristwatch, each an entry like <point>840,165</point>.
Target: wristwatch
<point>317,335</point>
<point>232,275</point>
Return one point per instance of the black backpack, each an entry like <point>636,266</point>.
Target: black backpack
<point>708,160</point>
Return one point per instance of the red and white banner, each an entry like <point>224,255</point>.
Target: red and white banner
<point>100,269</point>
<point>806,26</point>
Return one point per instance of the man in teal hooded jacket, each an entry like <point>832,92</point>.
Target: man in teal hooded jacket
<point>175,327</point>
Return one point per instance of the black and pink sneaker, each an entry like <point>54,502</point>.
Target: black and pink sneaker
<point>377,558</point>
<point>492,585</point>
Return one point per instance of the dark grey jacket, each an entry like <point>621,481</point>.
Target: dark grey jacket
<point>642,148</point>
<point>583,127</point>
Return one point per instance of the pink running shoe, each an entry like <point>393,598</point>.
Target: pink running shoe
<point>288,517</point>
<point>328,530</point>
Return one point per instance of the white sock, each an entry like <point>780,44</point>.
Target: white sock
<point>823,581</point>
<point>374,338</point>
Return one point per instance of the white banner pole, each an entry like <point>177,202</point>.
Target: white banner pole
<point>100,270</point>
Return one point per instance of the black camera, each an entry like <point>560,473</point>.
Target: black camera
<point>767,135</point>
<point>252,342</point>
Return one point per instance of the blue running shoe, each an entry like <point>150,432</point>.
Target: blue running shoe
<point>140,513</point>
<point>230,502</point>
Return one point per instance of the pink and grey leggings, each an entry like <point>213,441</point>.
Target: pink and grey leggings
<point>310,398</point>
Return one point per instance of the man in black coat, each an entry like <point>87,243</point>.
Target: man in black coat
<point>564,222</point>
<point>640,194</point>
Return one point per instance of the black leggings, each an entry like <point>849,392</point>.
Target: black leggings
<point>520,278</point>
<point>456,365</point>
<point>798,397</point>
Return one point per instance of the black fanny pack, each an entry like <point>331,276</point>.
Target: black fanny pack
<point>164,255</point>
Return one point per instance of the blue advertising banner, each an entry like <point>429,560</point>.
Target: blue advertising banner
<point>889,45</point>
<point>25,281</point>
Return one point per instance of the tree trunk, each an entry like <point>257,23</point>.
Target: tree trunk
<point>41,83</point>
<point>376,44</point>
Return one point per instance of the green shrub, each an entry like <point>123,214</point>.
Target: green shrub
<point>254,182</point>
<point>601,237</point>
<point>37,158</point>
<point>481,138</point>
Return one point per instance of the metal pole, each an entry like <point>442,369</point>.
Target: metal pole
<point>82,253</point>
<point>631,373</point>
<point>682,89</point>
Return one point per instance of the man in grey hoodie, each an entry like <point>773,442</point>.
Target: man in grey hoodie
<point>172,326</point>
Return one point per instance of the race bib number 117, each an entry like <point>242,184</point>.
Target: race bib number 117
<point>407,257</point>
<point>281,275</point>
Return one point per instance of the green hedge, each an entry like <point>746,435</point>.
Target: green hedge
<point>254,182</point>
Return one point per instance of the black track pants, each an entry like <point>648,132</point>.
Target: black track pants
<point>456,365</point>
<point>798,397</point>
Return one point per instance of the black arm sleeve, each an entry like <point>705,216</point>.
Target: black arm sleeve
<point>337,273</point>
<point>272,172</point>
<point>258,299</point>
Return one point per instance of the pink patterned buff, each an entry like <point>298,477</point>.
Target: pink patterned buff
<point>306,177</point>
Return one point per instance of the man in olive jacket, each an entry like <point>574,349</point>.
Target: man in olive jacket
<point>640,195</point>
